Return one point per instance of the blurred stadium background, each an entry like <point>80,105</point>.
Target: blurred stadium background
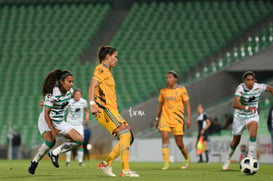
<point>210,43</point>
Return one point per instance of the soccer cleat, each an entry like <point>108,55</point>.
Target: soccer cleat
<point>186,163</point>
<point>166,166</point>
<point>81,164</point>
<point>67,164</point>
<point>32,167</point>
<point>54,159</point>
<point>106,169</point>
<point>226,164</point>
<point>129,173</point>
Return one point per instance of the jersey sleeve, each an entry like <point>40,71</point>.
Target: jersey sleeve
<point>185,95</point>
<point>161,97</point>
<point>100,74</point>
<point>205,116</point>
<point>263,87</point>
<point>49,99</point>
<point>239,91</point>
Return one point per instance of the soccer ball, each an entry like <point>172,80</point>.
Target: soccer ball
<point>249,166</point>
<point>89,146</point>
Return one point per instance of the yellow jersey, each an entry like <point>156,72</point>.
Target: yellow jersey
<point>105,94</point>
<point>173,105</point>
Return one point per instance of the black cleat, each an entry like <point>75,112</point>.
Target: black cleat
<point>67,164</point>
<point>54,159</point>
<point>32,167</point>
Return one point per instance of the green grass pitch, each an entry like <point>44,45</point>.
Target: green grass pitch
<point>17,170</point>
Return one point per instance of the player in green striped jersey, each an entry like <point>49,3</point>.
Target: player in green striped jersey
<point>245,106</point>
<point>57,89</point>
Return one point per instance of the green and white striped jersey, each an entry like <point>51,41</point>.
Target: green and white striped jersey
<point>75,114</point>
<point>248,98</point>
<point>58,104</point>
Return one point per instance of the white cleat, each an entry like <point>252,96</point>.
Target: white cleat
<point>129,173</point>
<point>166,166</point>
<point>186,163</point>
<point>226,164</point>
<point>106,169</point>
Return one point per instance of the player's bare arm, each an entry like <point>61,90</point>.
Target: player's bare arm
<point>236,104</point>
<point>86,111</point>
<point>42,103</point>
<point>159,110</point>
<point>54,131</point>
<point>188,110</point>
<point>94,83</point>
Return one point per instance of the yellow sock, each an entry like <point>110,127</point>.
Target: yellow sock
<point>124,145</point>
<point>165,153</point>
<point>113,155</point>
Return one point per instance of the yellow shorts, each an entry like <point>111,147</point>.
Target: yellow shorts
<point>110,119</point>
<point>177,129</point>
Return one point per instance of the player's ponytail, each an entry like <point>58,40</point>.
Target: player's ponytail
<point>52,80</point>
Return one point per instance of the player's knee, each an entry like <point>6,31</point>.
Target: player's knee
<point>124,132</point>
<point>165,140</point>
<point>50,144</point>
<point>79,143</point>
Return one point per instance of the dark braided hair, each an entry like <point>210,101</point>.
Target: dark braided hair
<point>52,80</point>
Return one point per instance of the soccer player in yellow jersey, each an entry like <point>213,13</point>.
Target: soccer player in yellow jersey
<point>172,100</point>
<point>103,105</point>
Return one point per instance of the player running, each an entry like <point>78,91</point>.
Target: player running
<point>171,113</point>
<point>103,104</point>
<point>57,89</point>
<point>245,104</point>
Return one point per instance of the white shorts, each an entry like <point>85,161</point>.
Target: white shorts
<point>62,126</point>
<point>78,128</point>
<point>239,124</point>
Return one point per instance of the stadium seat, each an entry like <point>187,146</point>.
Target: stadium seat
<point>153,38</point>
<point>254,44</point>
<point>36,39</point>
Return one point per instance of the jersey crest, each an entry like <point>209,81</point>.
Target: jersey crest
<point>101,70</point>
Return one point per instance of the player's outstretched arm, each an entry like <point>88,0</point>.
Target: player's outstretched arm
<point>93,109</point>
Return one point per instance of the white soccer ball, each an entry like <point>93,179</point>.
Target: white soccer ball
<point>89,146</point>
<point>249,166</point>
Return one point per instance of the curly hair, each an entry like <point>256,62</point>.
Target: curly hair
<point>52,80</point>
